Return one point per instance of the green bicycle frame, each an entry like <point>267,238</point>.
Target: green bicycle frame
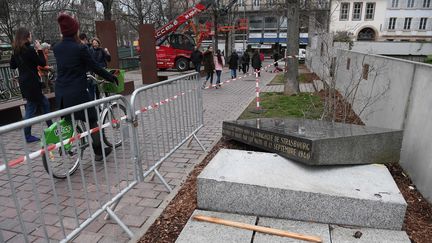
<point>52,135</point>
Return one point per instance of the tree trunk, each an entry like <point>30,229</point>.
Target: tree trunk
<point>215,26</point>
<point>291,82</point>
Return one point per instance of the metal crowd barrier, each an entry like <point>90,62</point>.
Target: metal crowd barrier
<point>36,205</point>
<point>169,114</point>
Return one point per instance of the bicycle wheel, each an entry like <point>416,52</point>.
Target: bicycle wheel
<point>61,163</point>
<point>112,134</point>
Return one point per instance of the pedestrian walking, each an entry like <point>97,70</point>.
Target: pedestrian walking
<point>276,57</point>
<point>261,55</point>
<point>73,62</point>
<point>256,62</point>
<point>27,58</point>
<point>245,62</point>
<point>209,65</point>
<point>233,64</point>
<point>196,58</point>
<point>219,61</point>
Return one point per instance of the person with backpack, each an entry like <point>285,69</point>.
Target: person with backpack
<point>219,62</point>
<point>27,58</point>
<point>233,64</point>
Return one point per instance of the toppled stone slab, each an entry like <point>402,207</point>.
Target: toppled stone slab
<point>299,227</point>
<point>198,232</point>
<point>318,142</point>
<point>265,184</point>
<point>357,235</point>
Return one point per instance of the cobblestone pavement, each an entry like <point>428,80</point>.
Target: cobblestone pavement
<point>140,205</point>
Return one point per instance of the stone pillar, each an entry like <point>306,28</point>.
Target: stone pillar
<point>106,32</point>
<point>147,45</point>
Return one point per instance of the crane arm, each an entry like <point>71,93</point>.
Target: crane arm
<point>181,19</point>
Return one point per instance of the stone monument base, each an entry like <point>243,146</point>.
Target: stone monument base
<point>265,184</point>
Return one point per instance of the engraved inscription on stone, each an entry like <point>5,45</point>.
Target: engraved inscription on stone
<point>290,146</point>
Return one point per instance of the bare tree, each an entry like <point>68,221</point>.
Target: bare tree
<point>107,8</point>
<point>142,11</point>
<point>291,82</point>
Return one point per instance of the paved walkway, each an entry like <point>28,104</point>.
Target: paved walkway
<point>146,200</point>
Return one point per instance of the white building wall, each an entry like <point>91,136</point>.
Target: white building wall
<point>400,13</point>
<point>354,26</point>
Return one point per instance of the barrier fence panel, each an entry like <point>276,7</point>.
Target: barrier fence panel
<point>36,204</point>
<point>169,114</point>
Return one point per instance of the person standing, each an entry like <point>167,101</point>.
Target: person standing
<point>256,62</point>
<point>43,71</point>
<point>101,56</point>
<point>196,58</point>
<point>73,62</point>
<point>245,62</point>
<point>219,61</point>
<point>209,65</point>
<point>27,58</point>
<point>233,64</point>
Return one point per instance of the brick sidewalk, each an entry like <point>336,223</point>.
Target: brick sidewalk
<point>146,201</point>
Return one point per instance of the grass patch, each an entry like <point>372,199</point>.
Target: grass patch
<point>305,105</point>
<point>302,78</point>
<point>278,79</point>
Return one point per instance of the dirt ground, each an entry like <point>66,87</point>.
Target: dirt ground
<point>418,219</point>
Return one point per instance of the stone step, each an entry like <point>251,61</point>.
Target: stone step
<point>198,232</point>
<point>265,184</point>
<point>318,84</point>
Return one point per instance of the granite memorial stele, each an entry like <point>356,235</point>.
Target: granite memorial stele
<point>316,142</point>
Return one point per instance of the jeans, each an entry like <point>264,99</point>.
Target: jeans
<point>218,76</point>
<point>197,67</point>
<point>245,67</point>
<point>233,73</point>
<point>30,111</point>
<point>209,76</point>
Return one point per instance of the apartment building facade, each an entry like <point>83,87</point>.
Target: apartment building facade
<point>383,20</point>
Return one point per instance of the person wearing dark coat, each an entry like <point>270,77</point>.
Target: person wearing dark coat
<point>245,62</point>
<point>73,61</point>
<point>27,59</point>
<point>101,56</point>
<point>209,65</point>
<point>196,58</point>
<point>256,62</point>
<point>233,64</point>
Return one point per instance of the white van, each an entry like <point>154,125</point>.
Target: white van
<point>302,55</point>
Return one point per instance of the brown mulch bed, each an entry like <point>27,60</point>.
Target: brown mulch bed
<point>418,219</point>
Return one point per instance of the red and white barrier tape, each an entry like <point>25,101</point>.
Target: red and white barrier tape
<point>257,91</point>
<point>75,138</point>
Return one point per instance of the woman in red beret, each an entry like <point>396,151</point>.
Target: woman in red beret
<point>73,62</point>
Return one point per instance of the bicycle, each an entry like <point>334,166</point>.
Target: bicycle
<point>112,113</point>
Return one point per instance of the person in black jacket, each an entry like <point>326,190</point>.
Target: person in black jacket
<point>256,62</point>
<point>245,62</point>
<point>73,61</point>
<point>233,64</point>
<point>101,56</point>
<point>196,58</point>
<point>27,59</point>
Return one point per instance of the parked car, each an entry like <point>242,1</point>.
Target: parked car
<point>302,55</point>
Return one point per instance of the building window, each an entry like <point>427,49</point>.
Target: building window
<point>426,3</point>
<point>348,63</point>
<point>407,24</point>
<point>240,3</point>
<point>395,3</point>
<point>270,3</point>
<point>392,24</point>
<point>256,3</point>
<point>370,11</point>
<point>422,25</point>
<point>365,73</point>
<point>357,8</point>
<point>344,11</point>
<point>270,22</point>
<point>410,4</point>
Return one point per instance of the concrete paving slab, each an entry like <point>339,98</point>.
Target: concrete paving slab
<point>265,184</point>
<point>311,229</point>
<point>198,232</point>
<point>346,235</point>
